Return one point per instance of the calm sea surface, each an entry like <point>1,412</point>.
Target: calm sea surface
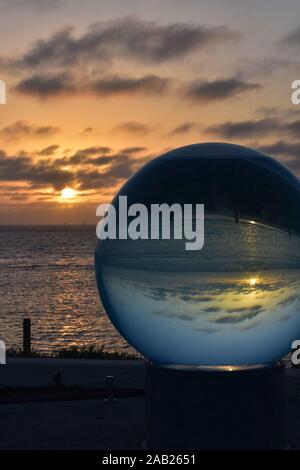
<point>47,274</point>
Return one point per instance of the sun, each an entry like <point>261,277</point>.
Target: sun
<point>68,193</point>
<point>253,281</point>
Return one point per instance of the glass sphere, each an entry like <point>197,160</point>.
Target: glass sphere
<point>236,301</point>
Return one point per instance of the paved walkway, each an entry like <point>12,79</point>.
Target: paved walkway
<point>84,372</point>
<point>85,424</point>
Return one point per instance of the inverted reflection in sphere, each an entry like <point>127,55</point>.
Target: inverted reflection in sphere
<point>236,301</point>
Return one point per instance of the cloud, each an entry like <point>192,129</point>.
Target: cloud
<point>48,151</point>
<point>212,309</point>
<point>22,168</point>
<point>293,38</point>
<point>133,127</point>
<point>34,5</point>
<point>120,167</point>
<point>206,91</point>
<point>133,37</point>
<point>244,129</point>
<point>103,156</point>
<point>282,148</point>
<point>293,128</point>
<point>133,150</point>
<point>46,86</point>
<point>49,86</point>
<point>290,152</point>
<point>255,128</point>
<point>183,128</point>
<point>263,66</point>
<point>181,316</point>
<point>239,315</point>
<point>89,168</point>
<point>84,155</point>
<point>284,114</point>
<point>254,308</point>
<point>23,129</point>
<point>89,130</point>
<point>115,85</point>
<point>294,165</point>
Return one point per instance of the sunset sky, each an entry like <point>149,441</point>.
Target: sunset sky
<point>96,88</point>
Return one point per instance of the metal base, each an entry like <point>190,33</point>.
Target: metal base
<point>227,408</point>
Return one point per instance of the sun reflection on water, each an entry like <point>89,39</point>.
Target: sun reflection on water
<point>253,281</point>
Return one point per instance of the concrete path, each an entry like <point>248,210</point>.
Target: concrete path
<point>84,372</point>
<point>81,425</point>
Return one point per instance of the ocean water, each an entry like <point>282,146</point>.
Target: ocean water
<point>47,274</point>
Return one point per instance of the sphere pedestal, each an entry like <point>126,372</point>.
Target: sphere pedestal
<point>215,408</point>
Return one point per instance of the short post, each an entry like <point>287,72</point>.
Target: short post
<point>26,336</point>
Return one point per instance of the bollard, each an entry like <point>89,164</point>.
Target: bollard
<point>110,389</point>
<point>26,336</point>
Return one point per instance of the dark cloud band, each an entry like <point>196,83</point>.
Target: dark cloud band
<point>206,91</point>
<point>132,37</point>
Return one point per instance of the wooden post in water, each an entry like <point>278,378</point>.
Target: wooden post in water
<point>26,336</point>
